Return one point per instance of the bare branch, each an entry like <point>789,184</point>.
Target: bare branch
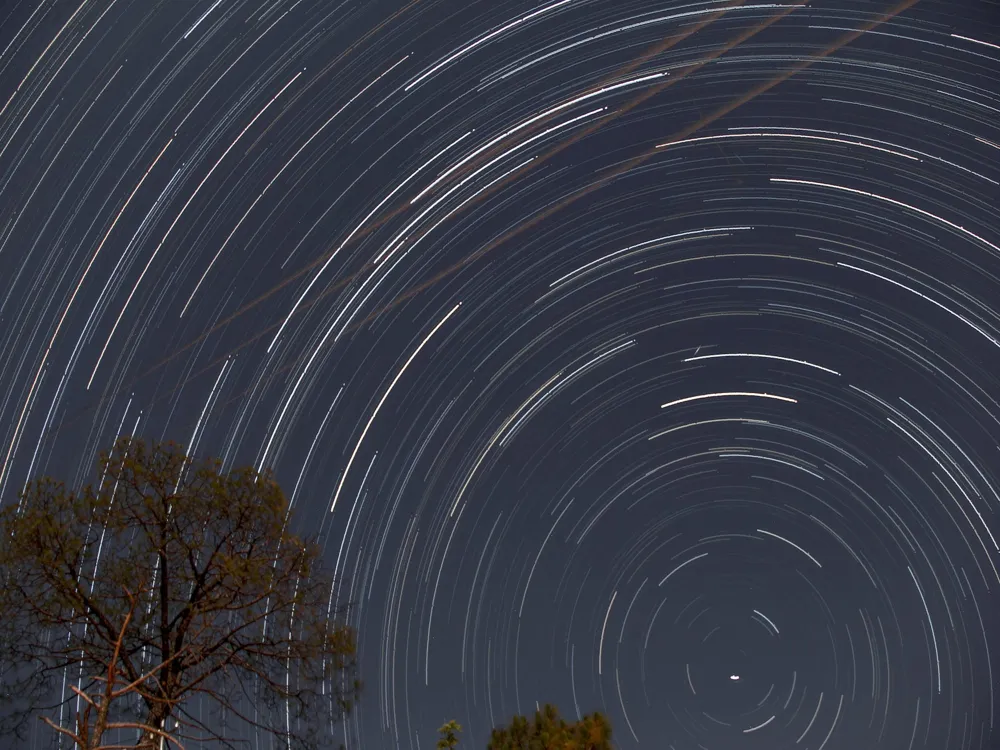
<point>145,728</point>
<point>63,730</point>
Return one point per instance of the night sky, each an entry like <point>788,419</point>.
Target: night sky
<point>615,349</point>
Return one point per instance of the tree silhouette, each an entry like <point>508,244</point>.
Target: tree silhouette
<point>549,731</point>
<point>168,580</point>
<point>449,735</point>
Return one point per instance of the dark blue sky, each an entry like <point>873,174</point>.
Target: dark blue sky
<point>612,348</point>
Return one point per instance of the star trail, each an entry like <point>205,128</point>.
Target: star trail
<point>630,356</point>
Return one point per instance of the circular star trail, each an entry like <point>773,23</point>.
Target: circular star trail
<point>631,356</point>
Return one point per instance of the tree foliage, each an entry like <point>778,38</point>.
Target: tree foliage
<point>168,583</point>
<point>549,731</point>
<point>449,735</point>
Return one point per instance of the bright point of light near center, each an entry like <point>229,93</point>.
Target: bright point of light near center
<point>734,677</point>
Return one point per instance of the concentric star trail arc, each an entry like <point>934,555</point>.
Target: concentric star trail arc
<point>633,357</point>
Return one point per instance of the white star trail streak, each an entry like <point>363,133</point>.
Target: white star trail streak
<point>631,357</point>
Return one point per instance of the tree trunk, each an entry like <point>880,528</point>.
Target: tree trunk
<point>156,717</point>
